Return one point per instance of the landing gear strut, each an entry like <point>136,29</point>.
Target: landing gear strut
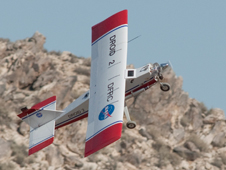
<point>163,86</point>
<point>130,124</point>
<point>160,76</point>
<point>158,70</point>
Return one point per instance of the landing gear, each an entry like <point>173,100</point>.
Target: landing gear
<point>160,76</point>
<point>164,87</point>
<point>130,124</point>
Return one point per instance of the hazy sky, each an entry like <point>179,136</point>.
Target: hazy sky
<point>191,34</point>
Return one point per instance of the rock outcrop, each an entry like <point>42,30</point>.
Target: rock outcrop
<point>173,131</point>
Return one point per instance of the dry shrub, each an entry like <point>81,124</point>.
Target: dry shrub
<point>87,62</point>
<point>83,71</point>
<point>203,107</point>
<point>4,40</point>
<point>57,53</point>
<point>211,111</point>
<point>74,58</point>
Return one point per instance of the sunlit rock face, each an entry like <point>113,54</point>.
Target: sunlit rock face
<point>173,131</point>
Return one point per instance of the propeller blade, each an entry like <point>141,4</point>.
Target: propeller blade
<point>170,64</point>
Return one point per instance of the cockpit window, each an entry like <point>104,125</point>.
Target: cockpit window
<point>86,95</point>
<point>144,68</point>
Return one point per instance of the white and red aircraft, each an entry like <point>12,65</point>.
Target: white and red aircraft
<point>104,104</point>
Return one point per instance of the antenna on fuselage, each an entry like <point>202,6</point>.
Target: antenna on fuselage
<point>134,38</point>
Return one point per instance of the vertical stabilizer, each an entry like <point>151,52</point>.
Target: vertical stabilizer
<point>41,137</point>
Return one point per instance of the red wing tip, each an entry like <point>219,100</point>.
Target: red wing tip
<point>87,153</point>
<point>117,19</point>
<point>104,138</point>
<point>40,146</point>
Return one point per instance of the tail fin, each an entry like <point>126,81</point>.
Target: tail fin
<point>41,119</point>
<point>40,113</point>
<point>41,137</point>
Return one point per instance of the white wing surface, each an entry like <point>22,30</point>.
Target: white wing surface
<point>107,87</point>
<point>41,137</point>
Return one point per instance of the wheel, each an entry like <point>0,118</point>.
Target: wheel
<point>131,124</point>
<point>165,87</point>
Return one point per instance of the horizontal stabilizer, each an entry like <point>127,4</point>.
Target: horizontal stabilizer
<point>41,137</point>
<point>40,113</point>
<point>41,117</point>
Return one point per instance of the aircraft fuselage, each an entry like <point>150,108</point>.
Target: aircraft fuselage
<point>77,110</point>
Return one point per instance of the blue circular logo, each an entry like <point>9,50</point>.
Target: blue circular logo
<point>39,114</point>
<point>106,112</point>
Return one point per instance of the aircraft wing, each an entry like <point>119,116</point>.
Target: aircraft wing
<point>107,86</point>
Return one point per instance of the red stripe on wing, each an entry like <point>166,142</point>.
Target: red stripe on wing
<point>37,107</point>
<point>40,146</point>
<point>110,23</point>
<point>104,138</point>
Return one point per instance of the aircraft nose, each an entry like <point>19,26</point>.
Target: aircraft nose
<point>164,65</point>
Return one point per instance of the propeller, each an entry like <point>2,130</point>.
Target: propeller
<point>162,68</point>
<point>165,66</point>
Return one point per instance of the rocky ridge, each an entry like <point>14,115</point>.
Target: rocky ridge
<point>173,131</point>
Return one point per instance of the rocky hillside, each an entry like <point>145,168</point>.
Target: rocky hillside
<point>173,131</point>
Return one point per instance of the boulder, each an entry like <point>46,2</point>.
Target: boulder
<point>185,153</point>
<point>53,156</point>
<point>23,128</point>
<point>191,146</point>
<point>219,140</point>
<point>5,149</point>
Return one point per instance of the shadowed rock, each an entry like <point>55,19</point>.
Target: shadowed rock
<point>185,153</point>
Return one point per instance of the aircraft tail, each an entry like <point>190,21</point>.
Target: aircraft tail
<point>41,119</point>
<point>41,137</point>
<point>40,113</point>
